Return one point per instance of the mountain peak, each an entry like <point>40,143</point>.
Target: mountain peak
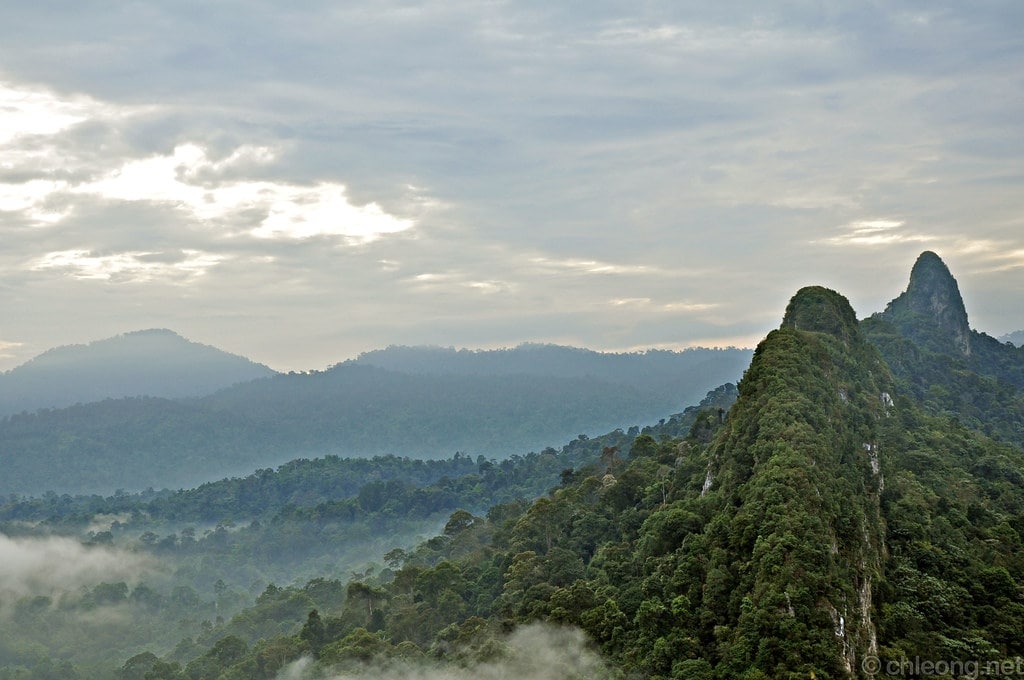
<point>822,310</point>
<point>933,299</point>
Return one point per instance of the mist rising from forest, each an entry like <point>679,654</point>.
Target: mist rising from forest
<point>53,565</point>
<point>537,651</point>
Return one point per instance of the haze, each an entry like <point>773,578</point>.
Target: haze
<point>300,184</point>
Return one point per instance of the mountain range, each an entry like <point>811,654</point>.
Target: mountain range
<point>199,420</point>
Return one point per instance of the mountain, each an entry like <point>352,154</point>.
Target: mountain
<point>925,339</point>
<point>349,410</point>
<point>1015,338</point>
<point>798,475</point>
<point>931,311</point>
<point>155,363</point>
<point>672,376</point>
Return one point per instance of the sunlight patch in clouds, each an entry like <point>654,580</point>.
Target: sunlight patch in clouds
<point>6,345</point>
<point>30,199</point>
<point>433,281</point>
<point>590,266</point>
<point>877,232</point>
<point>25,111</point>
<point>649,305</point>
<point>128,266</point>
<point>489,287</point>
<point>291,211</point>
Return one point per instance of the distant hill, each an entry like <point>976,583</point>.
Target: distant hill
<point>1014,338</point>
<point>349,410</point>
<point>677,377</point>
<point>155,363</point>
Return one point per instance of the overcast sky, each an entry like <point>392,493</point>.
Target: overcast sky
<point>299,182</point>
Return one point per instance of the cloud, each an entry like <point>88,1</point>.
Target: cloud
<point>536,161</point>
<point>28,111</point>
<point>284,210</point>
<point>6,346</point>
<point>648,304</point>
<point>47,566</point>
<point>878,232</point>
<point>533,652</point>
<point>589,266</point>
<point>129,266</point>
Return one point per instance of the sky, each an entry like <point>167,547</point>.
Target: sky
<point>301,182</point>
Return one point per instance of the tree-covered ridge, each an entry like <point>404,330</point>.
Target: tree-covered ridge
<point>351,410</point>
<point>824,521</point>
<point>796,542</point>
<point>677,376</point>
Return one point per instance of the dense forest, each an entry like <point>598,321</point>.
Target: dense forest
<point>828,517</point>
<point>194,558</point>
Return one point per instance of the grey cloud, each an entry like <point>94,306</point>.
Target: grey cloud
<point>734,140</point>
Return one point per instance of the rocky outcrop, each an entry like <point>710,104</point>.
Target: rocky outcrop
<point>932,310</point>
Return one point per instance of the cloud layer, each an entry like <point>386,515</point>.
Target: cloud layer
<point>299,184</point>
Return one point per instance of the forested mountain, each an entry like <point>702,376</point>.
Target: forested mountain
<point>674,376</point>
<point>349,410</point>
<point>927,342</point>
<point>154,363</point>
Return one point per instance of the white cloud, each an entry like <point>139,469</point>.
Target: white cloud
<point>289,211</point>
<point>187,179</point>
<point>589,266</point>
<point>30,198</point>
<point>647,304</point>
<point>877,232</point>
<point>27,111</point>
<point>324,210</point>
<point>6,345</point>
<point>127,266</point>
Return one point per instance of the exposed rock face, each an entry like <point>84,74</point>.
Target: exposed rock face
<point>933,306</point>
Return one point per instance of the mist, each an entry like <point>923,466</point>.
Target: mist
<point>46,566</point>
<point>535,652</point>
